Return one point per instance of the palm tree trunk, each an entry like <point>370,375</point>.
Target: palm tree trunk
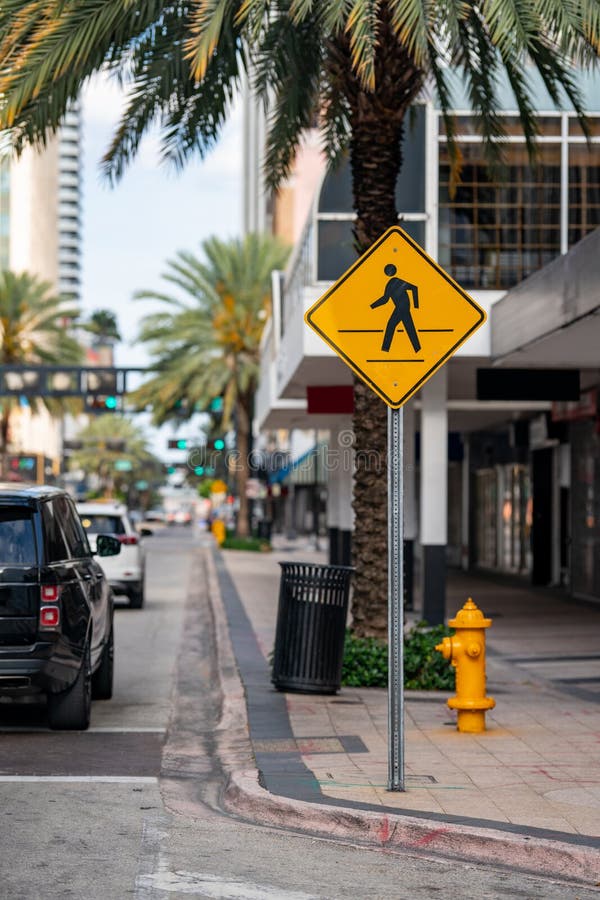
<point>243,411</point>
<point>376,159</point>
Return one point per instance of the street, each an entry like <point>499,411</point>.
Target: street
<point>131,807</point>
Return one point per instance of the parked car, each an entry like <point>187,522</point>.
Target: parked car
<point>56,606</point>
<point>125,573</point>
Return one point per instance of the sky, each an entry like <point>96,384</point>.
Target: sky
<point>131,230</point>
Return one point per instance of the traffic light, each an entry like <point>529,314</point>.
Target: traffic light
<point>177,444</point>
<point>199,470</point>
<point>219,444</point>
<point>97,403</point>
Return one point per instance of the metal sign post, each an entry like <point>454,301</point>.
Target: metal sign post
<point>395,600</point>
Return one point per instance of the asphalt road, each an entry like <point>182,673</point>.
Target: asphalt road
<point>131,808</point>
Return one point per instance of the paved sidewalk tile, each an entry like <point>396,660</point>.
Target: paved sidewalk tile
<point>537,765</point>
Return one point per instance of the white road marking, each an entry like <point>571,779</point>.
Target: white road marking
<point>81,779</point>
<point>152,857</point>
<point>215,886</point>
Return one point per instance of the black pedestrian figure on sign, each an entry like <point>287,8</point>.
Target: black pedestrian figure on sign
<point>397,291</point>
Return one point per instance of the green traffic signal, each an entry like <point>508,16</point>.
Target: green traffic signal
<point>219,444</point>
<point>182,444</point>
<point>199,470</point>
<point>110,403</point>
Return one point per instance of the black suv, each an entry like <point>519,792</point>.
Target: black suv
<point>56,607</point>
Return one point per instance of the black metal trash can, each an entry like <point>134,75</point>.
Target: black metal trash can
<point>311,625</point>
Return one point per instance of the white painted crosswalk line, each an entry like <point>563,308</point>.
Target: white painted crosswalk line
<point>219,887</point>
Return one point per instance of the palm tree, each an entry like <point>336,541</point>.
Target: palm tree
<point>99,457</point>
<point>33,330</point>
<point>356,67</point>
<point>206,343</point>
<point>102,324</point>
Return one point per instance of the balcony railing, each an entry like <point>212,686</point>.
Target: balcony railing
<point>300,273</point>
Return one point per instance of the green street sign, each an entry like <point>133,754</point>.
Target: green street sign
<point>141,485</point>
<point>123,465</point>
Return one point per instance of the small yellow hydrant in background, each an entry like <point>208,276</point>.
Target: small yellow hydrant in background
<point>466,651</point>
<point>219,531</point>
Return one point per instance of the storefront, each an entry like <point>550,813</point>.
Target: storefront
<point>585,500</point>
<point>503,518</point>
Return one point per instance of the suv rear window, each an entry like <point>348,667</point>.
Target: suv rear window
<point>97,523</point>
<point>17,537</point>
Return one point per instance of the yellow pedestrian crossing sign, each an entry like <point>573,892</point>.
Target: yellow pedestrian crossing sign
<point>395,317</point>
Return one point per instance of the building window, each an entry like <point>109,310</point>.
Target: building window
<point>495,231</point>
<point>584,190</point>
<point>336,246</point>
<point>492,234</point>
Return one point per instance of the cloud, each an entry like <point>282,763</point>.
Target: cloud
<point>102,101</point>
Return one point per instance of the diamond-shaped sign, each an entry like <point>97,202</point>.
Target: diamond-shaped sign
<point>395,317</point>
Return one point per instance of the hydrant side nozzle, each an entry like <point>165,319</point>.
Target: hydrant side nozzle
<point>445,648</point>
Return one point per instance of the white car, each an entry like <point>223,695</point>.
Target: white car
<point>125,572</point>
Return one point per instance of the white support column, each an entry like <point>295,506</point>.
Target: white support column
<point>434,495</point>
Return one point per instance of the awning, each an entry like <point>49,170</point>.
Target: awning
<point>553,317</point>
<point>309,468</point>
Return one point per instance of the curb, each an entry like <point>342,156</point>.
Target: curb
<point>245,797</point>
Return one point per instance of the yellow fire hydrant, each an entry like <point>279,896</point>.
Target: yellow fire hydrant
<point>466,651</point>
<point>219,531</point>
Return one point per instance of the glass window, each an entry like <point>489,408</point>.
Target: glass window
<point>17,537</point>
<point>585,506</point>
<point>54,539</point>
<point>336,193</point>
<point>468,126</point>
<point>584,190</point>
<point>486,518</point>
<point>575,127</point>
<point>102,524</point>
<point>494,233</point>
<point>336,250</point>
<point>75,536</point>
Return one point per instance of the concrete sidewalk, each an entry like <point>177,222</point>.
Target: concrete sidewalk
<point>534,774</point>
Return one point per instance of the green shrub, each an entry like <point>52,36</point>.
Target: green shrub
<point>366,660</point>
<point>256,545</point>
<point>425,668</point>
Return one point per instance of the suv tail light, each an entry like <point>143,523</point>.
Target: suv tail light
<point>49,617</point>
<point>128,539</point>
<point>49,609</point>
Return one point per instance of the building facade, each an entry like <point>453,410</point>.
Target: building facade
<point>40,233</point>
<point>490,463</point>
